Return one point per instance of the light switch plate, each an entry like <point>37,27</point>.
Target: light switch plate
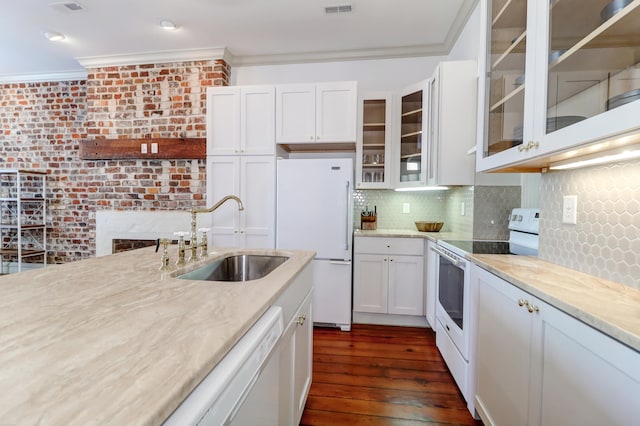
<point>143,148</point>
<point>154,147</point>
<point>406,208</point>
<point>570,209</point>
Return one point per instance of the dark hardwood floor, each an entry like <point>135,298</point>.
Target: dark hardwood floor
<point>379,375</point>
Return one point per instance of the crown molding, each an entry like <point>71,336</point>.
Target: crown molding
<point>37,78</point>
<point>155,57</point>
<point>343,55</point>
<point>462,17</point>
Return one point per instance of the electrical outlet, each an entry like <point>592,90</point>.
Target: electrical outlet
<point>154,147</point>
<point>570,209</point>
<point>143,148</point>
<point>406,208</point>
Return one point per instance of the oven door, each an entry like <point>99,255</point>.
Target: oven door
<point>452,307</point>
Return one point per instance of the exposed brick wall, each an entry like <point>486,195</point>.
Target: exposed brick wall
<point>41,125</point>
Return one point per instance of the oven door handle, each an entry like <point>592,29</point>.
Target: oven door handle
<point>457,262</point>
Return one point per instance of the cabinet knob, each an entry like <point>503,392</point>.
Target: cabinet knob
<point>390,260</point>
<point>522,302</point>
<point>317,138</point>
<point>532,308</point>
<point>311,138</point>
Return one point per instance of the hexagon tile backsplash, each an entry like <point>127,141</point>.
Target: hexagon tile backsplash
<point>606,239</point>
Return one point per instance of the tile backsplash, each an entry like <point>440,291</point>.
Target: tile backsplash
<point>444,206</point>
<point>606,239</point>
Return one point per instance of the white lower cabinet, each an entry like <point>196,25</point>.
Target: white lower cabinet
<point>431,285</point>
<point>296,349</point>
<point>252,178</point>
<point>296,364</point>
<point>388,275</point>
<point>539,366</point>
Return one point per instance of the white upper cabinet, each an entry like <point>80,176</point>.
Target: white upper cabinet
<point>451,129</point>
<point>410,154</point>
<point>240,120</point>
<point>561,78</point>
<point>316,113</point>
<point>373,148</point>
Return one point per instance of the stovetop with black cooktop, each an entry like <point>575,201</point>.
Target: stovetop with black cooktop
<point>481,247</point>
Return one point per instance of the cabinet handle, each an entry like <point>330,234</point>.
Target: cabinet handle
<point>385,259</point>
<point>390,260</point>
<point>531,308</point>
<point>317,138</point>
<point>522,302</point>
<point>529,146</point>
<point>311,138</point>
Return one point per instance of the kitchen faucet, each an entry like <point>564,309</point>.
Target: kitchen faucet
<point>193,245</point>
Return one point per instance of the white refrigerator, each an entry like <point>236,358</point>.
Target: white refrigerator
<point>315,212</point>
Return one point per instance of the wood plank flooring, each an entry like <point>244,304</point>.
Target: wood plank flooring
<point>380,375</point>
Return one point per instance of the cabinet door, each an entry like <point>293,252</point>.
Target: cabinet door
<point>370,283</point>
<point>223,121</point>
<point>580,376</point>
<point>257,192</point>
<point>336,107</point>
<point>373,146</point>
<point>303,357</point>
<point>295,113</point>
<point>452,102</point>
<point>257,120</point>
<point>223,178</point>
<point>503,352</point>
<point>406,285</point>
<point>411,170</point>
<point>507,94</point>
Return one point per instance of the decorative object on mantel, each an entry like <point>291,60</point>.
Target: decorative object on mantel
<point>152,148</point>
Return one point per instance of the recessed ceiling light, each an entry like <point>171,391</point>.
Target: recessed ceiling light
<point>54,36</point>
<point>168,25</point>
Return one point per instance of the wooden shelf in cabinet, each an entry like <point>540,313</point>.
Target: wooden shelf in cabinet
<point>515,98</point>
<point>373,145</point>
<point>408,156</point>
<point>621,33</point>
<point>408,135</point>
<point>413,116</point>
<point>514,56</point>
<point>512,14</point>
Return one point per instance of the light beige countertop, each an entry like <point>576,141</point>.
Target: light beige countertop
<point>410,233</point>
<point>612,308</point>
<point>112,340</point>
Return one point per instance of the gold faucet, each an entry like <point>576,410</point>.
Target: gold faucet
<point>193,245</point>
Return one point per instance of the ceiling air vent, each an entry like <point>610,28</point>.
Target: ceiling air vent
<point>67,6</point>
<point>330,10</point>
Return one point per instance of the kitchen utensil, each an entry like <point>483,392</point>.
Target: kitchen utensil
<point>429,226</point>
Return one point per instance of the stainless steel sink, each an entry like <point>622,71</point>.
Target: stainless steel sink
<point>238,268</point>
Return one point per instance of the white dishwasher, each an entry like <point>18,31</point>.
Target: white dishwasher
<point>239,390</point>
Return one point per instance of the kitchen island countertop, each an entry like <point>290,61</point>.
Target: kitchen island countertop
<point>112,340</point>
<point>609,307</point>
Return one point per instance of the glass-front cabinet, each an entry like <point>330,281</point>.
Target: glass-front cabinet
<point>412,153</point>
<point>374,141</point>
<point>562,76</point>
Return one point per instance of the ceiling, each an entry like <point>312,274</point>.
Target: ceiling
<point>251,31</point>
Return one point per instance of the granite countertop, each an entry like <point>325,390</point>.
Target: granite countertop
<point>410,233</point>
<point>612,308</point>
<point>112,340</point>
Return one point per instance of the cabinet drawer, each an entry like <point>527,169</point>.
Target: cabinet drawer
<point>381,245</point>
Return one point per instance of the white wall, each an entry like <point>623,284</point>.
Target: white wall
<point>371,75</point>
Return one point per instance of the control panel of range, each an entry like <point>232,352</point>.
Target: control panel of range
<point>525,220</point>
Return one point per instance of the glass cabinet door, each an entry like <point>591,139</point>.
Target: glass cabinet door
<point>505,85</point>
<point>412,112</point>
<point>373,156</point>
<point>593,59</point>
